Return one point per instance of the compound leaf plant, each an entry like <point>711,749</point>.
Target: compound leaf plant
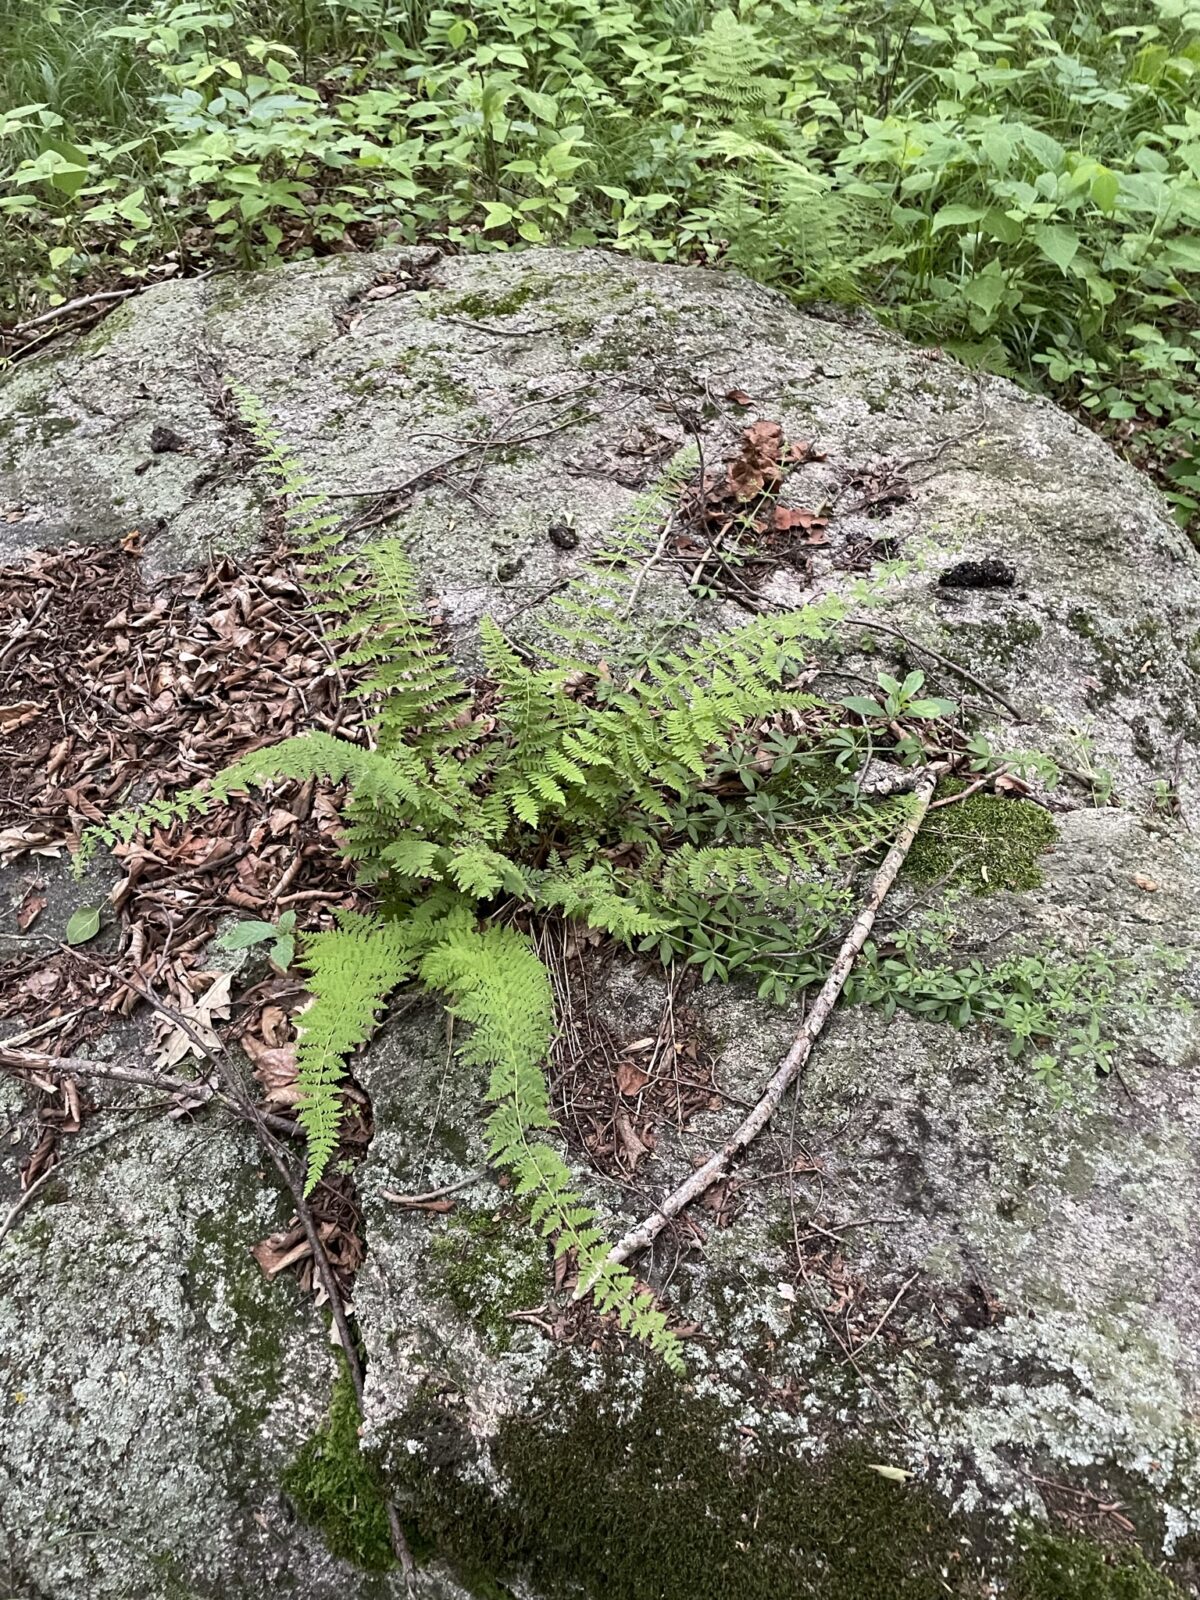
<point>699,802</point>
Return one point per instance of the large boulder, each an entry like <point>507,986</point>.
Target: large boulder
<point>931,1264</point>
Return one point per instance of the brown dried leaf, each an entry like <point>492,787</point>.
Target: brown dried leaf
<point>280,1250</point>
<point>631,1080</point>
<point>30,910</point>
<point>19,715</point>
<point>632,1146</point>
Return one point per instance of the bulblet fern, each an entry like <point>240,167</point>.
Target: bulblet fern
<point>448,818</point>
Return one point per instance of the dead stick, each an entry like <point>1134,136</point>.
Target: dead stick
<point>789,1069</point>
<point>74,305</point>
<point>78,1067</point>
<point>433,1194</point>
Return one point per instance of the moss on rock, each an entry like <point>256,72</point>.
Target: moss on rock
<point>984,843</point>
<point>486,305</point>
<point>647,1497</point>
<point>339,1490</point>
<point>1071,1569</point>
<point>651,1501</point>
<point>488,1264</point>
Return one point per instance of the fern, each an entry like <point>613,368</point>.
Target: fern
<point>452,817</point>
<point>351,972</point>
<point>496,983</point>
<point>731,62</point>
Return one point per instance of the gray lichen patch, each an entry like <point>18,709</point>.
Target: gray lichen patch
<point>146,1363</point>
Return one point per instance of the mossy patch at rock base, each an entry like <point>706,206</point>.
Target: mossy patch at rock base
<point>338,1490</point>
<point>646,1497</point>
<point>1071,1569</point>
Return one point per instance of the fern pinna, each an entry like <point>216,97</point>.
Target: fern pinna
<point>696,802</point>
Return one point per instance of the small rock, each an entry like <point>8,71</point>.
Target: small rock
<point>165,441</point>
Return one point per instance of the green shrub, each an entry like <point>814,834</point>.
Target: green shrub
<point>1019,187</point>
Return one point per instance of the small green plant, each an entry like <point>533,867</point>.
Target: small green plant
<point>1056,1010</point>
<point>280,936</point>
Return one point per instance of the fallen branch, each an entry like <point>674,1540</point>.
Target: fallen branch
<point>79,1067</point>
<point>792,1064</point>
<point>83,301</point>
<point>433,1194</point>
<point>39,1183</point>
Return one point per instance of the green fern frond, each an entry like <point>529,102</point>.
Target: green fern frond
<point>497,984</point>
<point>374,603</point>
<point>780,866</point>
<point>590,890</point>
<point>731,63</point>
<point>423,698</point>
<point>351,972</point>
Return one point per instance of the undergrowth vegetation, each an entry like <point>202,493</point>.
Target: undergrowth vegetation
<point>1019,186</point>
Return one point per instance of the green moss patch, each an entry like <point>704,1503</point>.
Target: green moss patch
<point>627,1498</point>
<point>489,1264</point>
<point>487,305</point>
<point>1072,1569</point>
<point>984,843</point>
<point>338,1490</point>
<point>991,644</point>
<point>651,1501</point>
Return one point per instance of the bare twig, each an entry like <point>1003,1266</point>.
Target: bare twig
<point>648,566</point>
<point>78,1067</point>
<point>75,305</point>
<point>972,788</point>
<point>792,1064</point>
<point>23,1200</point>
<point>498,333</point>
<point>896,1299</point>
<point>942,661</point>
<point>433,1194</point>
<point>56,1171</point>
<point>436,467</point>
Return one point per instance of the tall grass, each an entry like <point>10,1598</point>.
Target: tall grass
<point>59,56</point>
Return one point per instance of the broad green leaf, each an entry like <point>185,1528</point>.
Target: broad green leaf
<point>864,707</point>
<point>1104,188</point>
<point>498,215</point>
<point>934,706</point>
<point>1057,244</point>
<point>83,925</point>
<point>985,289</point>
<point>958,217</point>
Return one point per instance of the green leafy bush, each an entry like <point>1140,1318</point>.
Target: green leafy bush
<point>1021,187</point>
